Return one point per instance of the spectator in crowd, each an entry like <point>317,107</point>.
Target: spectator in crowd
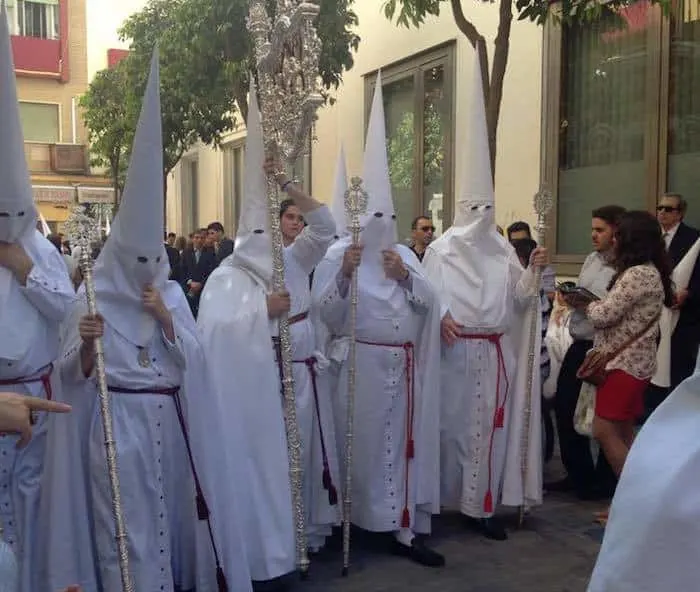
<point>586,478</point>
<point>173,258</point>
<point>223,246</point>
<point>422,234</point>
<point>626,331</point>
<point>170,239</point>
<point>198,265</point>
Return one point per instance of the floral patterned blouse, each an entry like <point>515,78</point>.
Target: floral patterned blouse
<point>635,299</point>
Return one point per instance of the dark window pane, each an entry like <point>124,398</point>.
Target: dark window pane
<point>603,109</point>
<point>684,107</point>
<point>399,112</point>
<point>436,120</point>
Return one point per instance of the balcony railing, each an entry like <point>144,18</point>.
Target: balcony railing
<point>69,159</point>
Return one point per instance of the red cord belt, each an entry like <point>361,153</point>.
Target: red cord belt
<point>44,379</point>
<point>499,411</point>
<point>409,368</point>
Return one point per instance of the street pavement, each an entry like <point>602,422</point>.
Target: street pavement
<point>553,552</point>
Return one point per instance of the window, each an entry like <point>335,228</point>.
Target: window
<point>190,194</point>
<point>234,167</point>
<point>684,107</point>
<point>418,107</point>
<point>603,110</point>
<point>40,122</point>
<point>38,18</point>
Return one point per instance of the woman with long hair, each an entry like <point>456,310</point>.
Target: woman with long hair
<point>627,331</point>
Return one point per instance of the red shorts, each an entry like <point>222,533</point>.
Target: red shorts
<point>620,397</point>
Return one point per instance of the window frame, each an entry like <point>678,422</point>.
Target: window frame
<point>231,152</point>
<point>59,110</point>
<point>51,15</point>
<point>416,66</point>
<point>656,121</point>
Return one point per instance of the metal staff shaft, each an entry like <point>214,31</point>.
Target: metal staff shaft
<point>542,204</point>
<point>107,428</point>
<point>355,203</point>
<point>290,407</point>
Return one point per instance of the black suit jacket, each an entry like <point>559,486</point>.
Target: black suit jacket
<point>686,337</point>
<point>198,271</point>
<point>174,260</point>
<point>225,249</point>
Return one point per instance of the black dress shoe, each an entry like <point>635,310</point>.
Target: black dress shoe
<point>491,528</point>
<point>419,553</point>
<point>281,584</point>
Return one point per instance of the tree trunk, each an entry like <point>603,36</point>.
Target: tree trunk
<point>498,73</point>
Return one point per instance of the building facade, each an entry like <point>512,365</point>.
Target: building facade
<point>49,45</point>
<point>621,117</point>
<point>427,79</point>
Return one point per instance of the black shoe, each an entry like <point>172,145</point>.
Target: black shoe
<point>418,553</point>
<point>281,584</point>
<point>491,528</point>
<point>561,486</point>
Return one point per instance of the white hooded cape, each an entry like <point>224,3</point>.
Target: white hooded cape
<point>651,539</point>
<point>425,465</point>
<point>67,551</point>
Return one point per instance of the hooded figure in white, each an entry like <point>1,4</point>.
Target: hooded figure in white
<point>35,296</point>
<point>651,538</point>
<point>166,419</point>
<point>484,296</point>
<point>396,441</point>
<point>238,319</point>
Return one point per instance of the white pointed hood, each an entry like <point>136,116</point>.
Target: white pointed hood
<point>379,223</point>
<point>134,254</point>
<point>475,201</point>
<point>339,189</point>
<point>253,247</point>
<point>18,214</point>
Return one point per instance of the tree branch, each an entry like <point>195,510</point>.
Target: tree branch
<point>469,30</point>
<point>500,63</point>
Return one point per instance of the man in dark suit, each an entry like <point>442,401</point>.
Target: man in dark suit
<point>679,239</point>
<point>199,262</point>
<point>223,246</point>
<point>173,258</point>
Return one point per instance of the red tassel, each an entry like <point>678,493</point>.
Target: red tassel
<point>488,502</point>
<point>326,479</point>
<point>332,495</point>
<point>221,582</point>
<point>500,416</point>
<point>410,449</point>
<point>405,518</point>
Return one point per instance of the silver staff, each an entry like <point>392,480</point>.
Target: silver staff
<point>542,203</point>
<point>287,53</point>
<point>82,229</point>
<point>356,199</point>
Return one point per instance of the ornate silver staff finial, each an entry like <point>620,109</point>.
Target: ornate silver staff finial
<point>356,199</point>
<point>287,51</point>
<point>542,203</point>
<point>83,230</point>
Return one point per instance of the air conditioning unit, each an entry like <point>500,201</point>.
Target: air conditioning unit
<point>69,158</point>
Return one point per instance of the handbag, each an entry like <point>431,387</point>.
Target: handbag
<point>593,369</point>
<point>585,409</point>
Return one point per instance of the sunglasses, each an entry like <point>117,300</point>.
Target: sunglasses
<point>667,209</point>
<point>427,228</point>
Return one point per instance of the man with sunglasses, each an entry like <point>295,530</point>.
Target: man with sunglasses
<point>685,339</point>
<point>422,234</point>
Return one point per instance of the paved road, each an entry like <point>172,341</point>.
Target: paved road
<point>555,552</point>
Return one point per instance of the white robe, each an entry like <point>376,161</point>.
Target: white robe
<point>651,539</point>
<point>300,259</point>
<point>384,481</point>
<point>270,540</point>
<point>48,294</point>
<point>480,456</point>
<point>169,548</point>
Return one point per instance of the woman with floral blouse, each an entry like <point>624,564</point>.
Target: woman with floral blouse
<point>626,319</point>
